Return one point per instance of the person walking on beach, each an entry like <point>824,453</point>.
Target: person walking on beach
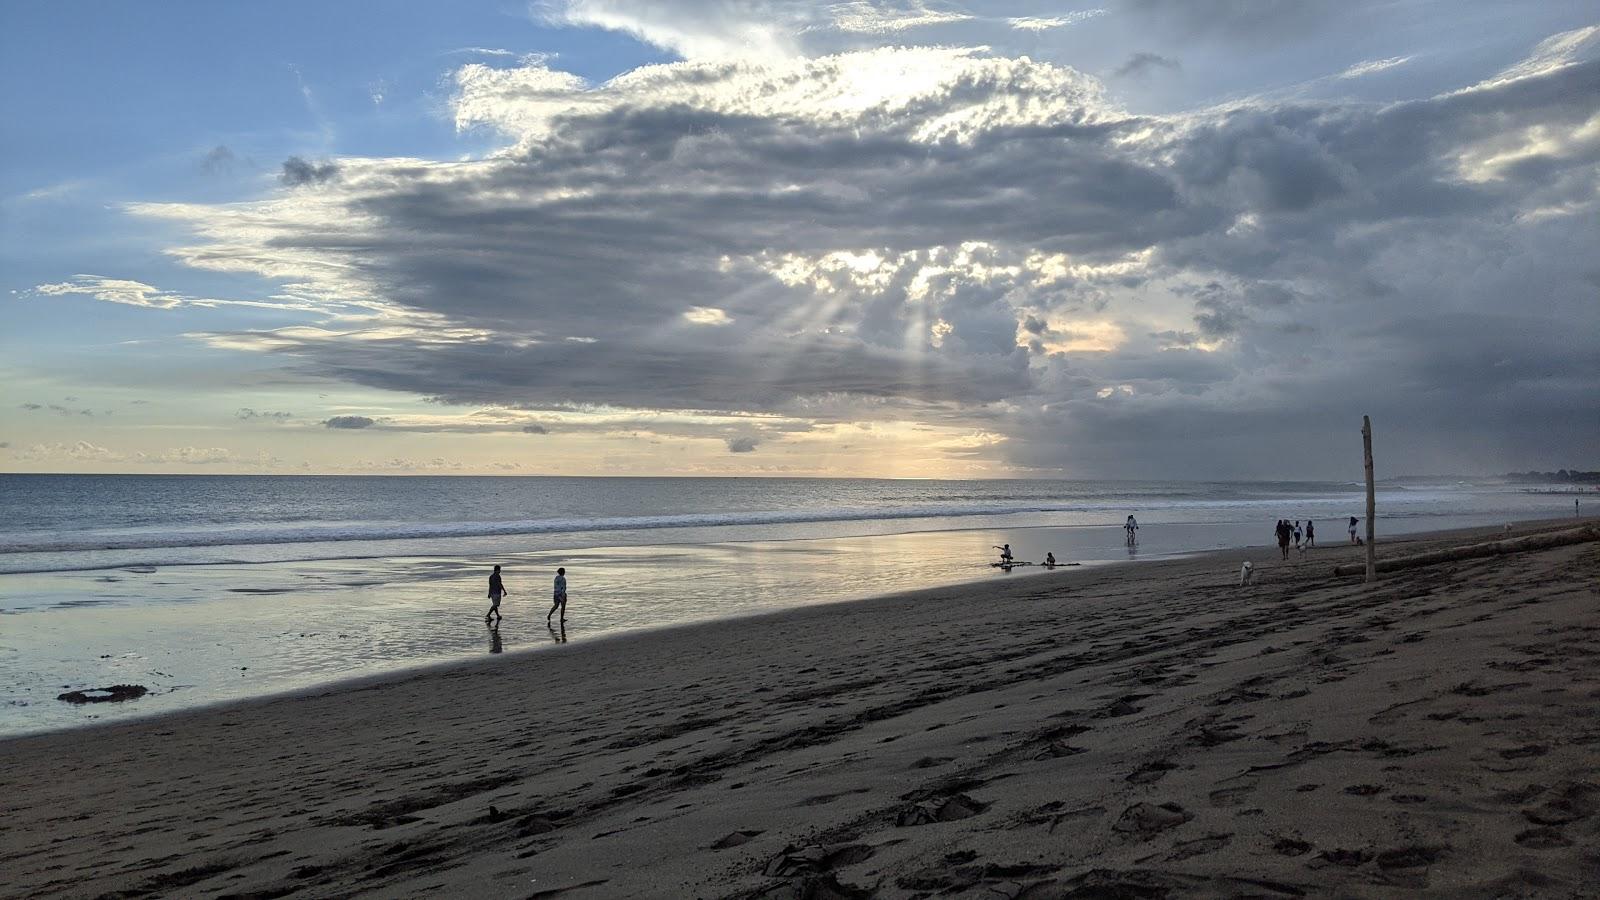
<point>1353,521</point>
<point>1311,533</point>
<point>1297,534</point>
<point>497,589</point>
<point>1283,537</point>
<point>1005,555</point>
<point>1131,527</point>
<point>560,601</point>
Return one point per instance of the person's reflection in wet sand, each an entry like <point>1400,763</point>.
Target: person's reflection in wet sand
<point>559,636</point>
<point>494,639</point>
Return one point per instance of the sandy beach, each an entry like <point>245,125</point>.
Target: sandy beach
<point>1127,731</point>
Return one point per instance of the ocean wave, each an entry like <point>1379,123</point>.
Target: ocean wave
<point>244,535</point>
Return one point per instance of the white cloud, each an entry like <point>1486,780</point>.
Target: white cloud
<point>1373,66</point>
<point>865,17</point>
<point>707,315</point>
<point>1045,23</point>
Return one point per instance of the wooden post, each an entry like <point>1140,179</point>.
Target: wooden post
<point>1372,500</point>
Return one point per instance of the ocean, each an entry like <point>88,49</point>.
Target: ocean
<point>213,588</point>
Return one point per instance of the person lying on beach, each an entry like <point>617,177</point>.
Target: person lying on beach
<point>560,598</point>
<point>497,589</point>
<point>1005,555</point>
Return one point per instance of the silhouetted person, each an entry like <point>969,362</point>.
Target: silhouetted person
<point>1132,528</point>
<point>1050,560</point>
<point>1284,533</point>
<point>560,600</point>
<point>497,589</point>
<point>1353,521</point>
<point>1311,533</point>
<point>1005,555</point>
<point>1297,533</point>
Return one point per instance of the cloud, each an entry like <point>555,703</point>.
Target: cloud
<point>1143,63</point>
<point>349,422</point>
<point>247,414</point>
<point>113,290</point>
<point>75,451</point>
<point>742,444</point>
<point>535,429</point>
<point>58,409</point>
<point>218,160</point>
<point>1046,23</point>
<point>1373,66</point>
<point>707,315</point>
<point>866,17</point>
<point>4,445</point>
<point>967,241</point>
<point>297,172</point>
<point>197,456</point>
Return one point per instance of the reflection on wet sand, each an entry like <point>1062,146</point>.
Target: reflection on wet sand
<point>558,634</point>
<point>494,638</point>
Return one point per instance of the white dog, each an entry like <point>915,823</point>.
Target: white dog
<point>1247,574</point>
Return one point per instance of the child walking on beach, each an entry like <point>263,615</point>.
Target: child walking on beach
<point>1353,521</point>
<point>497,589</point>
<point>560,598</point>
<point>1311,533</point>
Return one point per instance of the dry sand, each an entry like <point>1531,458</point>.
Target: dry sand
<point>1136,731</point>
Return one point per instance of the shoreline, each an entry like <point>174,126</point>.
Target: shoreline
<point>602,642</point>
<point>1106,731</point>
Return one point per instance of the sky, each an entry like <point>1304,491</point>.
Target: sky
<point>891,238</point>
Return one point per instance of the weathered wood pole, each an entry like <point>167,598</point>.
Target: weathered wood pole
<point>1372,500</point>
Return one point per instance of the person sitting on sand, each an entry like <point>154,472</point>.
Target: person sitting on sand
<point>560,598</point>
<point>497,589</point>
<point>1005,555</point>
<point>1311,533</point>
<point>1050,560</point>
<point>1353,521</point>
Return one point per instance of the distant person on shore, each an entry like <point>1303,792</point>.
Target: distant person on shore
<point>560,600</point>
<point>1132,528</point>
<point>497,589</point>
<point>1311,533</point>
<point>1283,533</point>
<point>1297,534</point>
<point>1005,555</point>
<point>1050,560</point>
<point>1353,521</point>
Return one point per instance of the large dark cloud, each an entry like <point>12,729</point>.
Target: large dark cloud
<point>1295,264</point>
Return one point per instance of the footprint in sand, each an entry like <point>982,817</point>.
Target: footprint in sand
<point>1146,820</point>
<point>946,809</point>
<point>735,839</point>
<point>1544,837</point>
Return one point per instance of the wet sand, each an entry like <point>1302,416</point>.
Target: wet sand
<point>1148,731</point>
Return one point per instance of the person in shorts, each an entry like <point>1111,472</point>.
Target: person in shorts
<point>560,599</point>
<point>497,589</point>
